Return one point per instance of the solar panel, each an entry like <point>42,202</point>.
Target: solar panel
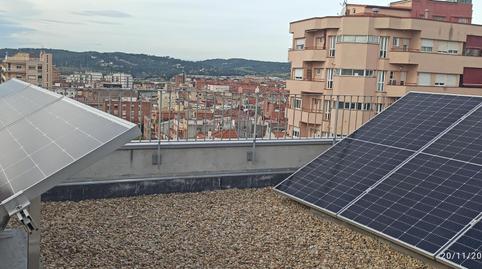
<point>24,102</point>
<point>12,87</point>
<point>48,142</point>
<point>466,251</point>
<point>415,119</point>
<point>334,179</point>
<point>420,196</point>
<point>463,142</point>
<point>424,203</point>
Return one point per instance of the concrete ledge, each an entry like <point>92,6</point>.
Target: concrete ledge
<point>137,187</point>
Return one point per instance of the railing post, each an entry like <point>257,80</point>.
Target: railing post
<point>335,127</point>
<point>255,123</point>
<point>159,122</point>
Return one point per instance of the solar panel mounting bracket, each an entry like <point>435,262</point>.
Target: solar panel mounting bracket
<point>16,203</point>
<point>27,221</point>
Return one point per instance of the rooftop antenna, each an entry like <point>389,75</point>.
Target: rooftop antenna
<point>343,8</point>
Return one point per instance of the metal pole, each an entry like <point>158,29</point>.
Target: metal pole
<point>159,122</point>
<point>34,238</point>
<point>255,123</point>
<point>335,128</point>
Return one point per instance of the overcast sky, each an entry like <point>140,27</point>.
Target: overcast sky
<point>186,29</point>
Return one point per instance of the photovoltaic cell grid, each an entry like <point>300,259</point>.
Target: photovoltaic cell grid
<point>415,119</point>
<point>28,100</point>
<point>49,136</point>
<point>424,204</point>
<point>467,250</point>
<point>463,142</point>
<point>12,87</point>
<point>334,179</point>
<point>427,201</point>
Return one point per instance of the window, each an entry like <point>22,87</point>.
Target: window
<point>300,44</point>
<point>19,67</point>
<point>379,108</point>
<point>296,132</point>
<point>354,106</point>
<point>318,71</point>
<point>327,110</point>
<point>32,67</point>
<point>320,42</point>
<point>332,46</point>
<point>383,46</point>
<point>438,18</point>
<point>446,80</point>
<point>362,39</point>
<point>463,20</point>
<point>297,103</point>
<point>448,47</point>
<point>329,78</point>
<point>380,81</point>
<point>401,43</point>
<point>427,45</point>
<point>396,42</point>
<point>355,72</point>
<point>424,79</point>
<point>298,73</point>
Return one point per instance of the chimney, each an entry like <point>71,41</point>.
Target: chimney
<point>426,14</point>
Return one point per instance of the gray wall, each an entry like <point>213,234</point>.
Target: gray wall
<point>181,159</point>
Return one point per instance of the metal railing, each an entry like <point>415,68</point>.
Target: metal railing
<point>181,115</point>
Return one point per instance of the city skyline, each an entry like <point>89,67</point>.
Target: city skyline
<point>182,29</point>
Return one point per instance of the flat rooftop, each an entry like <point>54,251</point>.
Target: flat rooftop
<point>222,229</point>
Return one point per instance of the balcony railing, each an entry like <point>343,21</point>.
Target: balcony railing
<point>214,116</point>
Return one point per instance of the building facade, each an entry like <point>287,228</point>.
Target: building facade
<point>37,71</point>
<point>371,56</point>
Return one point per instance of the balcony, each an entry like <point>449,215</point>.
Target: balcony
<point>434,62</point>
<point>297,57</point>
<point>401,90</point>
<point>309,86</point>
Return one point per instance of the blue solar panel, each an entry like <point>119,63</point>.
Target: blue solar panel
<point>464,142</point>
<point>415,119</point>
<point>412,174</point>
<point>334,179</point>
<point>467,250</point>
<point>423,204</point>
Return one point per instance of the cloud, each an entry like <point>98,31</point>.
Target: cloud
<point>103,13</point>
<point>61,22</point>
<point>103,22</point>
<point>11,32</point>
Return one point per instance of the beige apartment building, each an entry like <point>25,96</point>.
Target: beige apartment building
<point>38,71</point>
<point>359,63</point>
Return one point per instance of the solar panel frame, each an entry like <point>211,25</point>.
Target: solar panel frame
<point>57,172</point>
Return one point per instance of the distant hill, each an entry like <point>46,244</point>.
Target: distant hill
<point>148,66</point>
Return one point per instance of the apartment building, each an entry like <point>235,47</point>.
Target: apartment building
<point>38,71</point>
<point>372,55</point>
<point>118,80</point>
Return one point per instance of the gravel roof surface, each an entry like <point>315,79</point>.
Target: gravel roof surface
<point>223,229</point>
